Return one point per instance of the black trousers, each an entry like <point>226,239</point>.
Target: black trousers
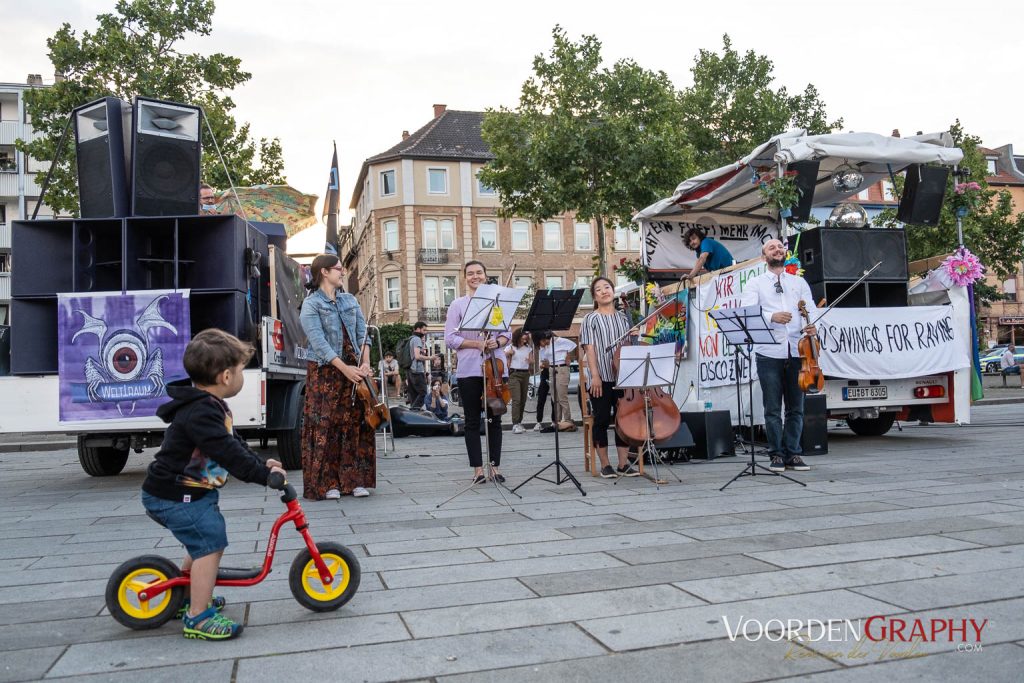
<point>417,389</point>
<point>472,391</point>
<point>601,408</point>
<point>542,396</point>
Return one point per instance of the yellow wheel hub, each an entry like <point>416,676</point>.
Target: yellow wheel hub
<point>136,582</point>
<point>315,588</point>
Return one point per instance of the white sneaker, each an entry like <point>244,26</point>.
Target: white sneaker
<point>539,426</point>
<point>517,429</point>
<point>360,492</point>
<point>333,494</point>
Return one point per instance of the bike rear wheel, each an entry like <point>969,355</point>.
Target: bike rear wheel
<point>128,580</point>
<point>306,586</point>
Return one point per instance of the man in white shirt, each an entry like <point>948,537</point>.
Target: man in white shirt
<point>778,365</point>
<point>1008,364</point>
<point>554,352</point>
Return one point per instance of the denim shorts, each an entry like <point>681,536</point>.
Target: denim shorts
<point>198,525</point>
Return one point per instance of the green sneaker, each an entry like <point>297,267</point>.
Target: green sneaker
<point>218,602</point>
<point>210,625</point>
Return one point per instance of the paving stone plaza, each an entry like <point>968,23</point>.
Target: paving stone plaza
<point>631,582</point>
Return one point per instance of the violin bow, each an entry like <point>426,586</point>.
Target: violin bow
<point>848,290</point>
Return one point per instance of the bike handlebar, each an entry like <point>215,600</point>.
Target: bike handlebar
<point>276,480</point>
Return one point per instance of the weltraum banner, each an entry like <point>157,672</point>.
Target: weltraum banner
<point>116,352</point>
<point>715,357</point>
<point>869,343</point>
<point>664,248</point>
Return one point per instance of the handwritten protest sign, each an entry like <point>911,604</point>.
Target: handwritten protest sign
<point>664,248</point>
<point>716,360</point>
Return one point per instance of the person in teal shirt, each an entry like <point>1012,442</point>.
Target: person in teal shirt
<point>711,254</point>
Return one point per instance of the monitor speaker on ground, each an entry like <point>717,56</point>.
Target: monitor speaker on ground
<point>102,146</point>
<point>165,158</point>
<point>843,254</point>
<point>923,191</point>
<point>814,439</point>
<point>806,180</point>
<point>711,432</point>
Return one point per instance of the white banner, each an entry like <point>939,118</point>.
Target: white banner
<point>873,343</point>
<point>715,357</point>
<point>664,248</point>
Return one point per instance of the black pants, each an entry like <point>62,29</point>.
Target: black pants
<point>417,389</point>
<point>542,396</point>
<point>472,392</point>
<point>601,408</point>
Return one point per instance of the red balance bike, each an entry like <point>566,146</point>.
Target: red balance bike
<point>145,592</point>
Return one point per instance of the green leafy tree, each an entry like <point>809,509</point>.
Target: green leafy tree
<point>732,106</point>
<point>135,51</point>
<point>991,229</point>
<point>391,335</point>
<point>603,142</point>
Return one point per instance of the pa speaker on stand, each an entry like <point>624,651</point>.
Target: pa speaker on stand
<point>923,192</point>
<point>166,158</point>
<point>102,146</point>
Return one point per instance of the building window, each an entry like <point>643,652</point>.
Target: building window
<point>554,281</point>
<point>485,190</point>
<point>438,233</point>
<point>520,236</point>
<point>552,236</point>
<point>488,235</point>
<point>387,183</point>
<point>523,281</point>
<point>390,235</point>
<point>888,194</point>
<point>393,293</point>
<point>992,170</point>
<point>583,282</point>
<point>439,290</point>
<point>621,280</point>
<point>584,242</point>
<point>8,163</point>
<point>437,181</point>
<point>627,239</point>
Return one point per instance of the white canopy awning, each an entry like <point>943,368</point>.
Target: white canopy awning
<point>729,195</point>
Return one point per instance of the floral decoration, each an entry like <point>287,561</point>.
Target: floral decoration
<point>963,267</point>
<point>780,193</point>
<point>966,198</point>
<point>792,264</point>
<point>632,269</point>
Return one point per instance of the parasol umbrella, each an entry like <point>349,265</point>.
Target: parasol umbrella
<point>271,204</point>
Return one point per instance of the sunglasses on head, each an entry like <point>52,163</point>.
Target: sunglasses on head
<point>778,287</point>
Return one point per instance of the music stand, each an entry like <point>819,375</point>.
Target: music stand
<point>490,309</point>
<point>644,368</point>
<point>553,310</point>
<point>746,326</point>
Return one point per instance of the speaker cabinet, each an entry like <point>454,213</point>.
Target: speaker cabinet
<point>864,295</point>
<point>843,254</point>
<point>711,432</point>
<point>5,350</point>
<point>227,311</point>
<point>44,250</point>
<point>34,336</point>
<point>102,145</point>
<point>923,191</point>
<point>806,181</point>
<point>165,158</point>
<point>814,438</point>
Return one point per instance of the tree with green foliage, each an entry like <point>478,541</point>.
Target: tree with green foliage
<point>391,335</point>
<point>732,106</point>
<point>603,142</point>
<point>992,229</point>
<point>134,51</point>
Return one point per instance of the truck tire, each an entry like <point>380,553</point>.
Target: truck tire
<point>101,461</point>
<point>872,427</point>
<point>289,446</point>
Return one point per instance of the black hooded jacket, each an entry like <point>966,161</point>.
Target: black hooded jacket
<point>198,446</point>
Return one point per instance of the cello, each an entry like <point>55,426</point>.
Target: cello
<point>632,421</point>
<point>811,378</point>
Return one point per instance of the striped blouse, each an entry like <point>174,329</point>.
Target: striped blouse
<point>602,331</point>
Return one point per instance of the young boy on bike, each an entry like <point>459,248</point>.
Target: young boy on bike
<point>200,448</point>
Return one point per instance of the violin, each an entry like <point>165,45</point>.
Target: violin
<point>811,379</point>
<point>497,393</point>
<point>631,419</point>
<point>376,412</point>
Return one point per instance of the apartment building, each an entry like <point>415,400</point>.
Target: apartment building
<point>19,185</point>
<point>421,212</point>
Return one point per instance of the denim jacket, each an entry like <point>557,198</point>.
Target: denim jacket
<point>322,320</point>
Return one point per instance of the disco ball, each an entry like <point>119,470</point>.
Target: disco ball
<point>847,179</point>
<point>848,215</point>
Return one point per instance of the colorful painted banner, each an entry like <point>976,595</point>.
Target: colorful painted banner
<point>669,326</point>
<point>116,352</point>
<point>716,360</point>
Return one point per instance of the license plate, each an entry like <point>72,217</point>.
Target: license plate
<point>864,393</point>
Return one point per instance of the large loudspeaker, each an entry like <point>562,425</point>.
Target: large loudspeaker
<point>864,295</point>
<point>806,180</point>
<point>102,143</point>
<point>165,159</point>
<point>843,254</point>
<point>923,191</point>
<point>814,438</point>
<point>712,433</point>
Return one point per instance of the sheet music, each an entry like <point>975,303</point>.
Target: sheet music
<point>492,308</point>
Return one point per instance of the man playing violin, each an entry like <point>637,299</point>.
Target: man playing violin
<point>471,350</point>
<point>778,365</point>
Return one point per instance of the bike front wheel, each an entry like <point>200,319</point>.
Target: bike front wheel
<point>309,590</point>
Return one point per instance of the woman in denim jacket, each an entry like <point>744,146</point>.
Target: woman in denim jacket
<point>339,449</point>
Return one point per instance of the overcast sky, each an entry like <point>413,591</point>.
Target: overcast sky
<point>361,73</point>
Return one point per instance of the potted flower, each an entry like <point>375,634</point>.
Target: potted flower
<point>966,198</point>
<point>632,269</point>
<point>781,193</point>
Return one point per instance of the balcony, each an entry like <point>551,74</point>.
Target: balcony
<point>9,132</point>
<point>435,314</point>
<point>5,286</point>
<point>434,256</point>
<point>5,235</point>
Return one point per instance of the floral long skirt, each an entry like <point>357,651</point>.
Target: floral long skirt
<point>339,448</point>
